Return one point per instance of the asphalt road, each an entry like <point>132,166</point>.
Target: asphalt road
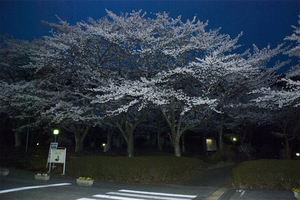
<point>22,185</point>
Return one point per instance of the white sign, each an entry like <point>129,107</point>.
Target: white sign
<point>53,145</point>
<point>58,156</point>
<point>211,145</point>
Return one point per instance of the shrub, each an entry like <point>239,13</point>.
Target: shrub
<point>150,169</point>
<point>214,158</point>
<point>226,154</point>
<point>36,163</point>
<point>267,174</point>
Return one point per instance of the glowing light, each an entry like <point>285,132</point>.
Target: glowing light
<point>55,132</point>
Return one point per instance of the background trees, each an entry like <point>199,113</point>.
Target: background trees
<point>288,91</point>
<point>122,68</point>
<point>16,83</point>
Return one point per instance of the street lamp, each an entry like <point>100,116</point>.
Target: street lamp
<point>55,132</point>
<point>233,139</point>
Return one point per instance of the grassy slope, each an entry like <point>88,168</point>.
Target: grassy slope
<point>256,174</point>
<point>149,169</point>
<point>267,174</point>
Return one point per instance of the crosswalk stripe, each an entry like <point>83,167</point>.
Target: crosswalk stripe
<point>115,197</point>
<point>140,195</point>
<point>146,196</point>
<point>160,194</point>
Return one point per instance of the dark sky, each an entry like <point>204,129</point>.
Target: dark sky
<point>263,22</point>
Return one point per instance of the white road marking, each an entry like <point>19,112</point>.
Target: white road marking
<point>161,194</point>
<point>85,199</point>
<point>114,197</point>
<point>141,195</point>
<point>217,194</point>
<point>145,196</point>
<point>243,192</point>
<point>32,187</point>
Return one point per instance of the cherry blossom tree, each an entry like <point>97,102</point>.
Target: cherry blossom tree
<point>288,126</point>
<point>283,98</point>
<point>120,67</point>
<point>289,95</point>
<point>174,101</point>
<point>15,79</point>
<point>237,91</point>
<point>63,65</point>
<point>186,84</point>
<point>45,80</point>
<point>144,45</point>
<point>85,58</point>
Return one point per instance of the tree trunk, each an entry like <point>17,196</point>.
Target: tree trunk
<point>78,143</point>
<point>176,145</point>
<point>176,129</point>
<point>108,140</point>
<point>288,152</point>
<point>128,129</point>
<point>286,137</point>
<point>175,134</point>
<point>159,140</point>
<point>182,143</point>
<point>17,139</point>
<point>128,136</point>
<point>130,147</point>
<point>221,139</point>
<point>80,132</point>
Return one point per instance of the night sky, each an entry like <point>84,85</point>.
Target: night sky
<point>263,22</point>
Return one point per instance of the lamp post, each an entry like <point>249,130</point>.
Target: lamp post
<point>55,132</point>
<point>233,139</point>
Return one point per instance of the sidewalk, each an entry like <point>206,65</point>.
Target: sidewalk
<point>221,178</point>
<point>29,176</point>
<point>233,194</point>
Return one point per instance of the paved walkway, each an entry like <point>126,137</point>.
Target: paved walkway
<point>221,178</point>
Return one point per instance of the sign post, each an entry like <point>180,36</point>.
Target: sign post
<point>53,145</point>
<point>58,156</point>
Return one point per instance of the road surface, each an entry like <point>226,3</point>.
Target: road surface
<point>22,185</point>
